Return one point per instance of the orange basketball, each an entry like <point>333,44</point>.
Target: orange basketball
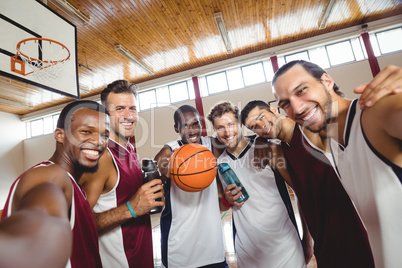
<point>192,167</point>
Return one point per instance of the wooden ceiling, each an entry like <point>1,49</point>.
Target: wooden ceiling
<point>172,36</point>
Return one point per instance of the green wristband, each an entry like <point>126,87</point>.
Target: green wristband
<point>131,209</point>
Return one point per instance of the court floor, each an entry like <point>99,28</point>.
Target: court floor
<point>227,236</point>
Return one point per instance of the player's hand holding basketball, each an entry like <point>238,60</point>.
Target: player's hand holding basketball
<point>192,167</point>
<point>146,196</point>
<point>232,195</point>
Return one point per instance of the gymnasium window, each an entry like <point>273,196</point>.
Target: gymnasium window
<point>231,79</point>
<point>340,53</point>
<point>202,82</point>
<point>304,55</point>
<point>268,70</point>
<point>41,126</point>
<point>235,79</point>
<point>147,99</point>
<point>389,41</point>
<point>253,74</point>
<point>162,96</point>
<point>319,56</point>
<point>178,92</point>
<point>217,83</point>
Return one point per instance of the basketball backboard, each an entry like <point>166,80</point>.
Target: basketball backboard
<point>23,19</point>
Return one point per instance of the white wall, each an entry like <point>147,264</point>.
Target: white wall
<point>38,149</point>
<point>11,152</point>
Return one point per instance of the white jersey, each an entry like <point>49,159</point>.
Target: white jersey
<point>191,226</point>
<point>372,183</point>
<point>264,234</point>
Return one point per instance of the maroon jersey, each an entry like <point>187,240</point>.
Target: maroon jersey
<point>85,251</point>
<point>340,239</point>
<point>129,245</point>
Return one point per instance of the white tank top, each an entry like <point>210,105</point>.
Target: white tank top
<point>195,236</point>
<point>372,183</point>
<point>265,236</point>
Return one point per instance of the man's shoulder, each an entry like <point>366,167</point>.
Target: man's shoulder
<point>46,171</point>
<point>43,173</point>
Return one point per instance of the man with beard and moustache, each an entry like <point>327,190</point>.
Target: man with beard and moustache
<point>327,209</point>
<point>47,221</point>
<point>366,146</point>
<point>264,233</point>
<point>116,193</point>
<point>190,221</point>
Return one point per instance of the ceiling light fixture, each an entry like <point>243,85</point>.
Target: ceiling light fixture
<point>322,23</point>
<point>220,23</point>
<point>127,54</point>
<point>70,9</point>
<point>14,103</point>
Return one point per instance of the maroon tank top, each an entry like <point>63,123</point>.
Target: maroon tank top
<point>85,251</point>
<point>137,233</point>
<point>340,239</point>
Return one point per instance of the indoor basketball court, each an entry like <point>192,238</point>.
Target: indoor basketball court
<point>192,52</point>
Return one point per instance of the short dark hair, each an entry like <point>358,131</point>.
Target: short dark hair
<point>250,106</point>
<point>118,86</point>
<point>181,110</point>
<point>68,111</point>
<point>313,69</point>
<point>222,108</point>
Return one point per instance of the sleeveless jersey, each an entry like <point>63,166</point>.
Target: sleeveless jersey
<point>85,251</point>
<point>130,244</point>
<point>191,227</point>
<point>264,234</point>
<point>375,186</point>
<point>329,213</point>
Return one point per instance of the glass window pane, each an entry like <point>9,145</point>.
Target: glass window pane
<point>357,49</point>
<point>147,99</point>
<point>390,41</point>
<point>202,82</point>
<point>217,83</point>
<point>281,61</point>
<point>269,71</point>
<point>374,44</point>
<point>48,125</point>
<point>253,74</point>
<point>162,96</point>
<point>28,129</point>
<point>55,118</point>
<point>190,86</point>
<point>235,79</point>
<point>297,56</point>
<point>178,92</point>
<point>340,53</point>
<point>319,56</point>
<point>37,127</point>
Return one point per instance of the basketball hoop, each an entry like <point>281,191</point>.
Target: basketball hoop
<point>44,57</point>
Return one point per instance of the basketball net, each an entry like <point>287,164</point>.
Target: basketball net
<point>44,57</point>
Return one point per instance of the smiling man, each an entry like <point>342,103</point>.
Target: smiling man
<point>329,213</point>
<point>190,221</point>
<point>46,218</point>
<point>264,235</point>
<point>366,145</point>
<point>116,192</point>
